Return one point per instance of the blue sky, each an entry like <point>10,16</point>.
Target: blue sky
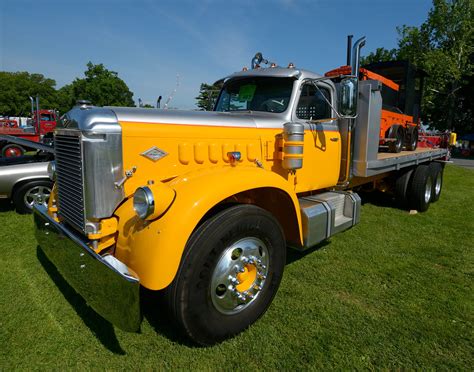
<point>149,42</point>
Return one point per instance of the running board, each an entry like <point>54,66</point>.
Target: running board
<point>326,214</point>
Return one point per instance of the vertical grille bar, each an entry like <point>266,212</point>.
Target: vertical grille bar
<point>69,171</point>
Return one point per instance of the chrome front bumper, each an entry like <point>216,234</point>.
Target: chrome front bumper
<point>103,281</point>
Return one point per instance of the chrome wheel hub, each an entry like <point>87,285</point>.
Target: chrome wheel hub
<point>438,185</point>
<point>428,188</point>
<point>240,275</point>
<point>37,194</point>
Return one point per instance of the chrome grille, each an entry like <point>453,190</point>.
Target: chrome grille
<point>69,172</point>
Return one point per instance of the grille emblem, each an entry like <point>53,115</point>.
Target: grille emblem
<point>154,153</point>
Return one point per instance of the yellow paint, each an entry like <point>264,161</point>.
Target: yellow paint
<point>106,234</point>
<point>452,138</point>
<point>197,173</point>
<point>200,152</point>
<point>154,249</point>
<point>247,278</point>
<point>214,153</point>
<point>184,151</point>
<point>107,226</point>
<point>252,152</point>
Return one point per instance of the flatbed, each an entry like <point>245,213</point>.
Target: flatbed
<point>387,161</point>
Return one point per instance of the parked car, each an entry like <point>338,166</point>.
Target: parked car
<point>25,180</point>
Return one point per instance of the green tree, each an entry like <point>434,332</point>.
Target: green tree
<point>17,87</point>
<point>380,55</point>
<point>100,86</point>
<point>443,46</point>
<point>207,96</point>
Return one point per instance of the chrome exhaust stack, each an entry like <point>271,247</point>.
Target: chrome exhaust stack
<point>356,55</point>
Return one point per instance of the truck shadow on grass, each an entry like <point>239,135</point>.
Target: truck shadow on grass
<point>6,205</point>
<point>102,329</point>
<point>154,310</point>
<point>378,199</point>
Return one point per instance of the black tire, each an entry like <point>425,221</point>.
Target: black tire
<point>402,184</point>
<point>23,194</point>
<point>12,150</point>
<point>192,302</point>
<point>411,140</point>
<point>421,188</point>
<point>397,133</point>
<point>436,170</point>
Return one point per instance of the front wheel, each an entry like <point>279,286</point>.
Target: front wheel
<point>230,272</point>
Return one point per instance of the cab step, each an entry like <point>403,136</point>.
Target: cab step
<point>326,214</point>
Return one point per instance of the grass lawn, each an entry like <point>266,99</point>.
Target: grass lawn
<point>396,291</point>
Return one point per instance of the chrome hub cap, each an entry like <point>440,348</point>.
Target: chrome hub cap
<point>37,194</point>
<point>239,275</point>
<point>428,188</point>
<point>438,185</point>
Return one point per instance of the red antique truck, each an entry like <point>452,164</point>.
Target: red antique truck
<point>43,122</point>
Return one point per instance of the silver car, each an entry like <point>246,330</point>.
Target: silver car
<point>24,181</point>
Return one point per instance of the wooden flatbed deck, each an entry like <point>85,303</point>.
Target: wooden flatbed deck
<point>387,161</point>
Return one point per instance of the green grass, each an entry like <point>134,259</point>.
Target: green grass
<point>396,291</point>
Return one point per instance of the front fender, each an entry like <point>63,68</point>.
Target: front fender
<point>154,249</point>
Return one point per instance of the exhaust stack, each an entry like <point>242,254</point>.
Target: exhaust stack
<point>356,55</point>
<point>38,112</point>
<point>349,47</point>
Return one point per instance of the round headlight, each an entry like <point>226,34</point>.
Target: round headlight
<point>52,170</point>
<point>143,202</point>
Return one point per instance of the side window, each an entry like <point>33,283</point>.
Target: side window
<point>312,105</point>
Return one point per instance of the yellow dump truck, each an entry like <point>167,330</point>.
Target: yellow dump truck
<point>201,206</point>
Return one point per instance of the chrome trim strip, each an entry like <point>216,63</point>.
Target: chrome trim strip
<point>107,284</point>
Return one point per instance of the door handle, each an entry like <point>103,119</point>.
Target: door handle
<point>334,139</point>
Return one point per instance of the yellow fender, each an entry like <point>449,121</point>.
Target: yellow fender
<point>153,249</point>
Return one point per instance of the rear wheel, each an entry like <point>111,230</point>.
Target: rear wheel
<point>12,151</point>
<point>402,184</point>
<point>436,170</point>
<point>421,188</point>
<point>26,195</point>
<point>397,134</point>
<point>229,274</point>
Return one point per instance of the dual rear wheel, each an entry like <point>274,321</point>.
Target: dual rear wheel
<point>416,188</point>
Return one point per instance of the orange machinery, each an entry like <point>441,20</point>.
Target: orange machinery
<point>401,97</point>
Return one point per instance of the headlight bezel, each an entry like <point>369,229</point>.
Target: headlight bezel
<point>52,170</point>
<point>143,202</point>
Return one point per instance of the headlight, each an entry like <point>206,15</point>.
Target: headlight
<point>143,202</point>
<point>52,170</point>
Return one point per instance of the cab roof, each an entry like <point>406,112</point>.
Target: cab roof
<point>275,72</point>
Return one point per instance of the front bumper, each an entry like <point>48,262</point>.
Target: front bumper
<point>103,281</point>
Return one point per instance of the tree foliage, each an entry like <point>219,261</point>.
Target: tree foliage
<point>100,86</point>
<point>207,96</point>
<point>17,87</point>
<point>443,46</point>
<point>380,55</point>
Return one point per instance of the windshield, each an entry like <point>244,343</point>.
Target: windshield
<point>269,94</point>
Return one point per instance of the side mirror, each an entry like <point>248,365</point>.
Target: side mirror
<point>348,96</point>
